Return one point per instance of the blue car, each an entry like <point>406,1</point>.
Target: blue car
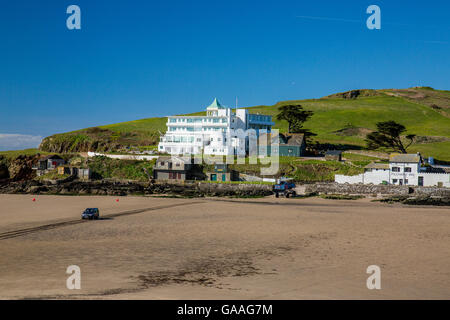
<point>90,213</point>
<point>285,188</point>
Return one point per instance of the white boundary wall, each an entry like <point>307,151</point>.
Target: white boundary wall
<point>340,178</point>
<point>122,156</point>
<point>432,179</point>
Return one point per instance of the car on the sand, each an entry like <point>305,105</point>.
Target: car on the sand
<point>91,213</point>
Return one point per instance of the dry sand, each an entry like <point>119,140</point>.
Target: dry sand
<point>163,248</point>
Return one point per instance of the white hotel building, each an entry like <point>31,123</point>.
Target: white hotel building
<point>213,134</point>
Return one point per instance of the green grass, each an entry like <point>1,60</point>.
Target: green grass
<point>53,175</point>
<point>324,171</point>
<point>330,115</point>
<point>238,182</point>
<point>358,157</point>
<point>304,170</point>
<point>27,152</point>
<point>438,150</point>
<point>147,127</point>
<point>103,167</point>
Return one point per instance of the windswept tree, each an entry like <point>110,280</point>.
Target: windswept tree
<point>295,115</point>
<point>389,135</point>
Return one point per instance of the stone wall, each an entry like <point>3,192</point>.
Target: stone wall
<point>187,189</point>
<point>202,189</point>
<point>370,189</point>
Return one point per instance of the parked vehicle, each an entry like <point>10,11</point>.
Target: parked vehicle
<point>91,213</point>
<point>285,188</point>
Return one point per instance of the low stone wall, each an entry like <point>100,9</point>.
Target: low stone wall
<point>370,189</point>
<point>432,191</point>
<point>202,189</point>
<point>187,189</point>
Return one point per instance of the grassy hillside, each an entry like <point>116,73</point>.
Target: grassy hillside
<point>340,119</point>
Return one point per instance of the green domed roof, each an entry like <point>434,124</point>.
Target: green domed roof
<point>215,105</point>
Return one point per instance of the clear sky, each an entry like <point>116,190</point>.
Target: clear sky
<point>140,59</point>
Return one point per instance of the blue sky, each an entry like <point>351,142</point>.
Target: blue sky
<point>139,59</point>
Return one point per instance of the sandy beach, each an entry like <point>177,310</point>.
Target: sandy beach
<point>165,248</point>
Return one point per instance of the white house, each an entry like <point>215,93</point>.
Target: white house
<point>214,133</point>
<point>403,169</point>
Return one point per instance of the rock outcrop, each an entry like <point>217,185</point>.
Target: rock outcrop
<point>20,168</point>
<point>4,172</point>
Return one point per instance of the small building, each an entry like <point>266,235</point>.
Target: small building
<point>292,145</point>
<point>47,163</point>
<point>335,155</point>
<point>80,173</point>
<point>84,173</point>
<point>176,168</point>
<point>50,162</point>
<point>405,169</point>
<point>223,173</point>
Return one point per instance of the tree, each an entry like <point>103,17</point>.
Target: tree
<point>388,135</point>
<point>295,115</point>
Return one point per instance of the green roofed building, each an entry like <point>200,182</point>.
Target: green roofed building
<point>292,145</point>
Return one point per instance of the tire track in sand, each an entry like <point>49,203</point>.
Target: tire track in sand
<point>22,232</point>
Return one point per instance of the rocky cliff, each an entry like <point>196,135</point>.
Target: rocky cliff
<point>18,169</point>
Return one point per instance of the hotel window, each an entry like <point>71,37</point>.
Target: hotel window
<point>395,169</point>
<point>394,181</point>
<point>407,169</point>
<point>172,120</point>
<point>406,181</point>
